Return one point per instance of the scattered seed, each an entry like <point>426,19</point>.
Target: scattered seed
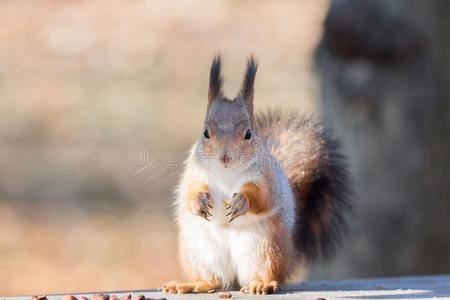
<point>42,297</point>
<point>211,291</point>
<point>100,297</point>
<point>139,297</point>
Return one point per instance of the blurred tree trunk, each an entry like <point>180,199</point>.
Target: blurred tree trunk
<point>385,77</point>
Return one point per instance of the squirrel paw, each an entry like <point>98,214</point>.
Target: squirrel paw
<point>202,206</point>
<point>260,287</point>
<point>238,207</point>
<point>201,286</point>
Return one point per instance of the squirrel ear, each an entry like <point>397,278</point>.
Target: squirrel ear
<point>249,79</point>
<point>215,79</point>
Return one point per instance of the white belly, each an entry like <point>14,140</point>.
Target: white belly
<point>225,251</point>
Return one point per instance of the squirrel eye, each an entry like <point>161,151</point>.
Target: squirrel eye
<point>206,133</point>
<point>248,134</point>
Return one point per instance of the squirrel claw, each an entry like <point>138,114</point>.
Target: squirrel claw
<point>238,207</point>
<point>202,205</point>
<point>205,214</point>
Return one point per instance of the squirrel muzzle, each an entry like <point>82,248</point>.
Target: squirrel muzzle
<point>226,159</point>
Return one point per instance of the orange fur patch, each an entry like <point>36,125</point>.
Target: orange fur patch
<point>259,197</point>
<point>194,189</point>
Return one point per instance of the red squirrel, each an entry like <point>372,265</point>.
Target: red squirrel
<point>261,195</point>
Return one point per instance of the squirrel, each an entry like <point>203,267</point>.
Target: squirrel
<point>261,195</point>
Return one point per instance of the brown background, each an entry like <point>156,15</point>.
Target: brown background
<point>100,100</point>
<point>88,87</point>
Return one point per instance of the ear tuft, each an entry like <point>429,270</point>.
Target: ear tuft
<point>215,79</point>
<point>249,79</point>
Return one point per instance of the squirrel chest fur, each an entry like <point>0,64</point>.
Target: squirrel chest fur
<point>234,249</point>
<point>260,195</point>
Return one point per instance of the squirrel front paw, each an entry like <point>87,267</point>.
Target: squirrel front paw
<point>202,205</point>
<point>238,207</point>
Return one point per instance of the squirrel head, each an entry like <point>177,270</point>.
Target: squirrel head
<point>229,135</point>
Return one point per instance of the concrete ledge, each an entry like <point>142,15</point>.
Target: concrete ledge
<point>417,287</point>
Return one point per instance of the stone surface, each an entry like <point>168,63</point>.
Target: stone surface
<point>418,287</point>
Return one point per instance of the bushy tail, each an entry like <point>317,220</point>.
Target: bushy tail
<point>317,172</point>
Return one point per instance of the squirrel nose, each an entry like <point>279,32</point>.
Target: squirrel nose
<point>225,158</point>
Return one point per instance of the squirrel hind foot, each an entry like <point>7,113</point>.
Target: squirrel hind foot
<point>260,287</point>
<point>200,286</point>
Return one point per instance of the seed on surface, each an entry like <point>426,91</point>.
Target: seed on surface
<point>139,297</point>
<point>100,297</point>
<point>42,297</point>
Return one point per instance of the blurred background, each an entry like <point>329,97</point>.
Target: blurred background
<point>100,100</point>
